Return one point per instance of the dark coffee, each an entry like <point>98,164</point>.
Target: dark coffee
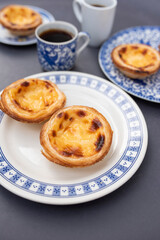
<point>56,35</point>
<point>98,5</point>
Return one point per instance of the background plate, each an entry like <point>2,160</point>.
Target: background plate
<point>148,88</point>
<point>8,38</point>
<point>27,173</point>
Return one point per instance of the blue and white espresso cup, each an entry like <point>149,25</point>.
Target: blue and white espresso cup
<point>55,56</point>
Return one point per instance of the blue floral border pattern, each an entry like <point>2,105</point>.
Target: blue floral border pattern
<point>148,88</point>
<point>123,165</point>
<point>15,40</point>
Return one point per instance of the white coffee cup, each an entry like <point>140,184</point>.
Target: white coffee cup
<point>96,21</point>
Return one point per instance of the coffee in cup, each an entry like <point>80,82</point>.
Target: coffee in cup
<point>56,35</point>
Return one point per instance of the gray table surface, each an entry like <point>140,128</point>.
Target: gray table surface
<point>133,210</point>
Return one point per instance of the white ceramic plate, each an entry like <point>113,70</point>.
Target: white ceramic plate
<point>8,38</point>
<point>148,88</point>
<point>27,173</point>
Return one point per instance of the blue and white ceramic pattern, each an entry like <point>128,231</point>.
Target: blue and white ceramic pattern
<point>59,56</point>
<point>148,88</point>
<point>55,57</point>
<point>8,38</point>
<point>33,177</point>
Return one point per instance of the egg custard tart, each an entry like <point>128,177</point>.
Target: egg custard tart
<point>20,20</point>
<point>76,136</point>
<point>136,60</point>
<point>31,100</point>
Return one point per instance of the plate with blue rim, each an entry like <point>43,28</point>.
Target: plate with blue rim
<point>27,173</point>
<point>149,87</point>
<point>7,38</point>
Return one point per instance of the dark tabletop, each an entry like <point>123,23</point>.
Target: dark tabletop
<point>132,212</point>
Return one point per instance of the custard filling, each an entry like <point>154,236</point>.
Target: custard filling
<point>34,95</point>
<point>76,133</point>
<point>137,56</point>
<point>20,16</point>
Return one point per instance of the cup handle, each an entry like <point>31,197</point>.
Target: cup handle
<point>77,9</point>
<point>85,36</point>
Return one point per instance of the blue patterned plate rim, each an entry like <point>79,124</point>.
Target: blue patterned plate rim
<point>146,89</point>
<point>24,41</point>
<point>104,183</point>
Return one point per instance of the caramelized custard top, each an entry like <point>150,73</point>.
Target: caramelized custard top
<point>19,15</point>
<point>137,56</point>
<point>76,133</point>
<point>33,95</point>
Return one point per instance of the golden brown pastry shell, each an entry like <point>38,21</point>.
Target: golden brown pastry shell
<point>52,153</point>
<point>131,70</point>
<point>28,20</point>
<point>9,105</point>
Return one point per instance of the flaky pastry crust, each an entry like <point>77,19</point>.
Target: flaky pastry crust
<point>20,20</point>
<point>136,60</point>
<point>31,100</point>
<point>76,136</point>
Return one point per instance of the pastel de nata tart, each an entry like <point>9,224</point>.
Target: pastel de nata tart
<point>136,60</point>
<point>20,20</point>
<point>31,100</point>
<point>76,136</point>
